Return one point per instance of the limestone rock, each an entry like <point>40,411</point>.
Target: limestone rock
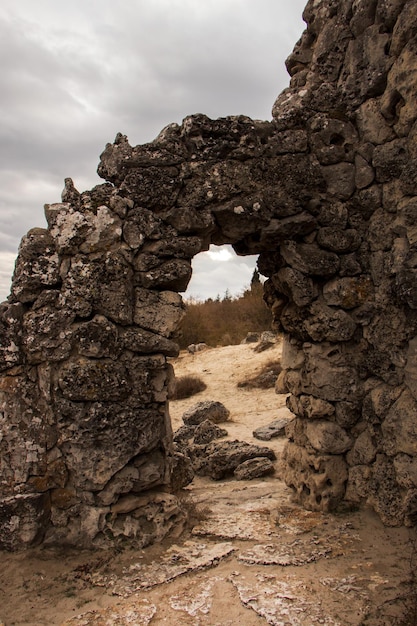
<point>310,407</point>
<point>37,266</point>
<point>211,410</point>
<point>363,451</point>
<point>332,378</point>
<point>207,432</point>
<point>348,292</point>
<point>384,492</point>
<point>327,437</point>
<point>159,312</point>
<point>274,429</point>
<point>327,324</point>
<point>197,347</point>
<point>23,519</point>
<point>411,367</point>
<point>406,471</point>
<point>94,380</point>
<point>295,285</point>
<point>318,480</point>
<point>161,510</point>
<point>184,433</point>
<point>182,472</point>
<point>310,259</point>
<point>107,440</point>
<point>400,428</point>
<point>254,468</point>
<point>219,460</point>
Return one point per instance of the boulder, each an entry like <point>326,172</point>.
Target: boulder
<point>254,468</point>
<point>206,432</point>
<point>211,410</point>
<point>219,460</point>
<point>272,430</point>
<point>182,472</point>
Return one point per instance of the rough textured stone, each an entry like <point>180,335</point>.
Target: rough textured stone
<point>206,432</point>
<point>326,195</point>
<point>329,324</point>
<point>400,426</point>
<point>411,367</point>
<point>219,460</point>
<point>317,480</point>
<point>160,313</point>
<point>310,407</point>
<point>182,472</point>
<point>254,468</point>
<point>23,519</point>
<point>327,437</point>
<point>272,430</point>
<point>211,410</point>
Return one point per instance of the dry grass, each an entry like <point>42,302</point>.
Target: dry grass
<point>187,386</point>
<point>265,379</point>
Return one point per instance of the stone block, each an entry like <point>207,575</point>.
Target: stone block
<point>318,481</point>
<point>23,520</point>
<point>211,410</point>
<point>327,437</point>
<point>399,428</point>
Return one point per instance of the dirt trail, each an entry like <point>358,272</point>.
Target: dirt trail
<point>252,557</point>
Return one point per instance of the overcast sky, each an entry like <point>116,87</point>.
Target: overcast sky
<point>76,73</point>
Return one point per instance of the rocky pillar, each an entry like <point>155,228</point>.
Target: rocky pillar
<point>348,299</point>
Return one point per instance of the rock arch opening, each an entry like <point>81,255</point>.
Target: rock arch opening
<point>217,271</point>
<point>325,194</point>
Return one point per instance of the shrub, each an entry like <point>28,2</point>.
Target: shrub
<point>227,321</point>
<point>265,379</point>
<point>187,386</point>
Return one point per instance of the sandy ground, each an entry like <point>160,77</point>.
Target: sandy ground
<point>251,558</point>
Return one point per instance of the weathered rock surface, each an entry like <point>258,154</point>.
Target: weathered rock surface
<point>325,193</point>
<point>274,429</point>
<point>254,468</point>
<point>220,460</point>
<point>206,432</point>
<point>211,410</point>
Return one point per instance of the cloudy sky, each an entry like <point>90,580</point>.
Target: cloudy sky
<point>76,73</point>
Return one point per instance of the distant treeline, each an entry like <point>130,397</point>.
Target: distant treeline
<point>225,321</point>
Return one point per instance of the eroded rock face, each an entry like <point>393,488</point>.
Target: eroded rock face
<point>325,193</point>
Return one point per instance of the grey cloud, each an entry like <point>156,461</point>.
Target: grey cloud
<point>212,277</point>
<point>74,74</point>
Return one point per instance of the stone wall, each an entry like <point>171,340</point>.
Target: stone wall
<point>325,193</point>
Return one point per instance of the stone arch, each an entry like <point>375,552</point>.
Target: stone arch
<point>326,195</point>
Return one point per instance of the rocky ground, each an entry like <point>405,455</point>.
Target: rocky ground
<point>250,556</point>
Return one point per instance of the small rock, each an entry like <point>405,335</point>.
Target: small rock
<point>268,335</point>
<point>207,410</point>
<point>184,434</point>
<point>251,338</point>
<point>254,468</point>
<point>274,429</point>
<point>207,432</point>
<point>182,472</point>
<point>196,347</point>
<point>219,460</point>
<point>262,346</point>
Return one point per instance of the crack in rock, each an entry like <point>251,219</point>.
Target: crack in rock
<point>279,602</point>
<point>177,561</point>
<point>142,613</point>
<point>198,599</point>
<point>294,554</point>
